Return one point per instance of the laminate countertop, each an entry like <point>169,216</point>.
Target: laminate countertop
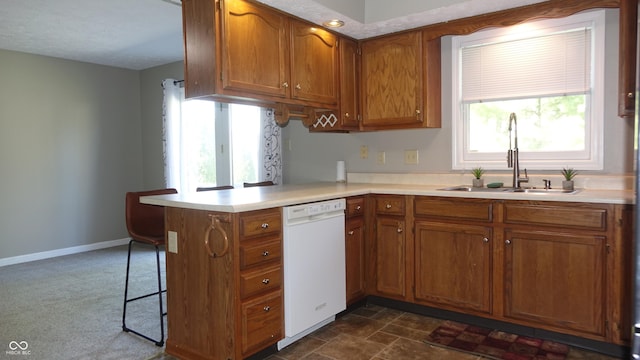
<point>257,198</point>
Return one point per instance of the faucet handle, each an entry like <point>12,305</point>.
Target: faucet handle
<point>525,178</point>
<point>547,184</point>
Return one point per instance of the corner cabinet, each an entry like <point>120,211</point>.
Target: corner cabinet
<point>400,83</point>
<point>354,249</point>
<point>242,51</point>
<point>225,292</point>
<point>390,247</point>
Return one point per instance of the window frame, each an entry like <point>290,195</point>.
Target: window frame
<point>591,158</point>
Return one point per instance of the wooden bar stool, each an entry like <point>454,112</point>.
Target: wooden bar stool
<point>145,224</point>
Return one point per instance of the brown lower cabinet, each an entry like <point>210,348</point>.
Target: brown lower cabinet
<point>556,266</point>
<point>225,297</point>
<point>354,249</point>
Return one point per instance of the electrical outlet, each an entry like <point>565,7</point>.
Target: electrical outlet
<point>411,157</point>
<point>381,158</point>
<point>364,152</point>
<point>173,242</point>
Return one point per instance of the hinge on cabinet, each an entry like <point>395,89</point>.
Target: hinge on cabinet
<point>218,6</point>
<point>359,51</point>
<point>220,75</point>
<point>608,246</point>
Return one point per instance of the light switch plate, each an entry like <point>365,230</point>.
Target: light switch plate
<point>173,241</point>
<point>411,157</point>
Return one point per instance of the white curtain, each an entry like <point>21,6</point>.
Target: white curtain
<point>171,132</point>
<point>271,148</point>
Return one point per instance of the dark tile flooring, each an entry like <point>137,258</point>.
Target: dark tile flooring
<point>378,333</point>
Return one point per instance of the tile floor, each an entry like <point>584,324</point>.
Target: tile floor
<point>378,333</point>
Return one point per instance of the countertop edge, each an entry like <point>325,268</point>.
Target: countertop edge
<point>258,198</point>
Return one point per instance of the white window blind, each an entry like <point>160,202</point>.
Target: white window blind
<point>549,65</point>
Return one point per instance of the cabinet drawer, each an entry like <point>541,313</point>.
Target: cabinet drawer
<point>355,206</point>
<point>258,223</point>
<point>255,282</point>
<point>467,209</point>
<point>390,205</point>
<point>573,216</point>
<point>262,322</point>
<point>259,252</point>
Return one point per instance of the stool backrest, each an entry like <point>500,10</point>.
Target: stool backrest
<point>144,220</point>
<point>261,183</point>
<point>210,188</point>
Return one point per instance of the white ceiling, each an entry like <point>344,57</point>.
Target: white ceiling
<point>139,34</point>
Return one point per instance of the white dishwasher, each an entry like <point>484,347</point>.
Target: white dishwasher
<point>314,267</point>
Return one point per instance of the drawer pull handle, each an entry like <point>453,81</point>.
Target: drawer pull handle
<point>265,281</point>
<point>265,226</point>
<point>485,240</point>
<point>507,242</point>
<point>399,230</point>
<point>388,206</point>
<point>350,232</point>
<point>266,308</point>
<point>285,84</point>
<point>265,253</point>
<point>298,87</point>
<point>215,225</point>
<point>358,208</point>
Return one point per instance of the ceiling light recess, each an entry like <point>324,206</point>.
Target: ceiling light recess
<point>335,23</point>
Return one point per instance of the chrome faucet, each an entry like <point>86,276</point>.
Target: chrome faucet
<point>513,160</point>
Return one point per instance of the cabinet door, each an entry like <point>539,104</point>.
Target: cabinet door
<point>314,64</point>
<point>390,256</point>
<point>349,77</point>
<point>392,81</point>
<point>254,49</point>
<point>555,279</point>
<point>453,265</point>
<point>354,255</point>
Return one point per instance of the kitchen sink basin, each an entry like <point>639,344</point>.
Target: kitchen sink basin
<point>511,190</point>
<point>544,191</point>
<point>475,189</point>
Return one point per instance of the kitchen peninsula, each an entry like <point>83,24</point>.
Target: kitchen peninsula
<point>486,255</point>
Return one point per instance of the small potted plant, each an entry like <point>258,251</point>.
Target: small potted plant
<point>477,177</point>
<point>569,174</point>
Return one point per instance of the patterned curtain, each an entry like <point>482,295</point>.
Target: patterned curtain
<point>271,139</point>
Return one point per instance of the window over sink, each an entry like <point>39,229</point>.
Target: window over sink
<point>550,74</point>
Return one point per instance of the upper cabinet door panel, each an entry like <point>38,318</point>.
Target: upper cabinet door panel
<point>314,64</point>
<point>392,80</point>
<point>254,43</point>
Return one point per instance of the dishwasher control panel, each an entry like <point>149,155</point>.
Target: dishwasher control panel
<point>313,209</point>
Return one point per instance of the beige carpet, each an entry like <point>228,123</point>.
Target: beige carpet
<point>70,307</point>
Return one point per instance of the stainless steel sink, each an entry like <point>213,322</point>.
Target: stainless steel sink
<point>545,191</point>
<point>511,190</point>
<point>475,189</point>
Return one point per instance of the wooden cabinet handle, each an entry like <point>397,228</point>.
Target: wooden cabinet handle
<point>485,240</point>
<point>265,226</point>
<point>266,308</point>
<point>215,225</point>
<point>346,115</point>
<point>418,112</point>
<point>265,281</point>
<point>265,253</point>
<point>358,208</point>
<point>350,232</point>
<point>630,95</point>
<point>399,230</point>
<point>298,87</point>
<point>285,84</point>
<point>388,206</point>
<point>507,242</point>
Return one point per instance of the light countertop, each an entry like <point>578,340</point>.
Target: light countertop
<point>257,198</point>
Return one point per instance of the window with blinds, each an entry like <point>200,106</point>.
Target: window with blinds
<point>547,72</point>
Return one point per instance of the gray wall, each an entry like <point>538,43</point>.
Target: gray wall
<point>313,156</point>
<point>69,149</point>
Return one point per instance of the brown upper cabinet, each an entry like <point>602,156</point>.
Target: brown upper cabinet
<point>240,51</point>
<point>400,83</point>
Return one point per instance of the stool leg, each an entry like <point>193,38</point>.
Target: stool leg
<point>159,293</point>
<point>161,342</point>
<point>126,290</point>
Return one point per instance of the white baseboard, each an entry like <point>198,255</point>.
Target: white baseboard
<point>62,252</point>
